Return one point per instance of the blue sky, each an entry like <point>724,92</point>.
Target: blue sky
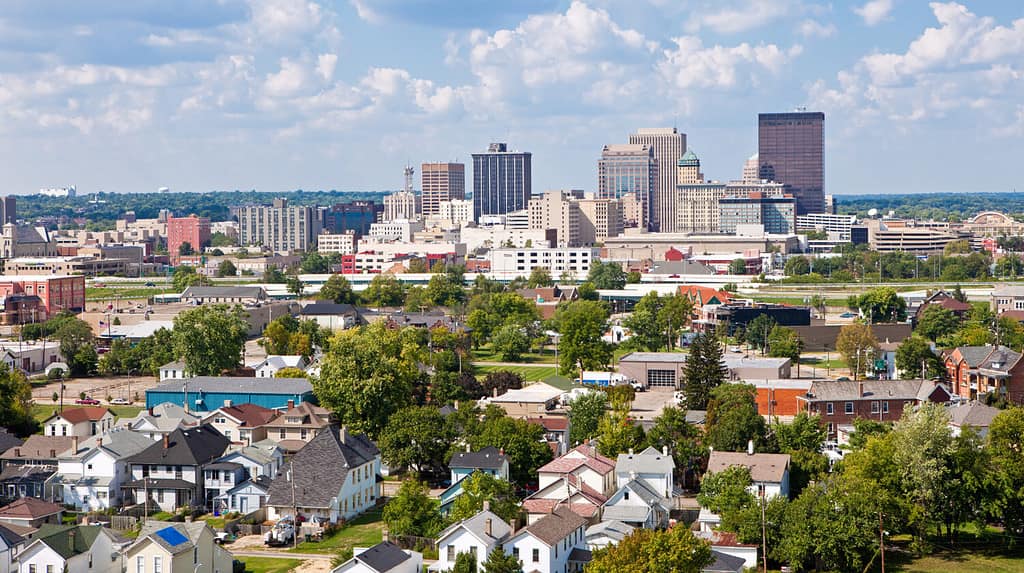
<point>316,94</point>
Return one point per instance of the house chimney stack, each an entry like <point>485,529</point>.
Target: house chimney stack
<point>860,388</point>
<point>167,441</point>
<point>291,404</point>
<point>750,447</point>
<point>74,444</point>
<point>343,434</point>
<point>99,441</point>
<point>664,450</point>
<point>487,526</point>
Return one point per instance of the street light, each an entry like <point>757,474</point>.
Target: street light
<point>130,370</point>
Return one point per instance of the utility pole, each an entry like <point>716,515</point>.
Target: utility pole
<point>881,540</point>
<point>295,509</point>
<point>764,535</point>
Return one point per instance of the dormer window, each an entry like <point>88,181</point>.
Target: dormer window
<point>293,419</point>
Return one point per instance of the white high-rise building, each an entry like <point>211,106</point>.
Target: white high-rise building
<point>668,145</point>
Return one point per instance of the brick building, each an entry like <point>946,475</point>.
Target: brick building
<point>55,292</point>
<point>977,370</point>
<point>841,402</point>
<point>192,230</point>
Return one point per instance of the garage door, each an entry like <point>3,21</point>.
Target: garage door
<point>661,378</point>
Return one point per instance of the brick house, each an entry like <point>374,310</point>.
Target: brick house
<point>944,300</point>
<point>977,370</point>
<point>842,402</point>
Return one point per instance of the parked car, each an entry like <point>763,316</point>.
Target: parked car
<point>637,386</point>
<point>88,401</point>
<point>150,284</point>
<point>120,402</point>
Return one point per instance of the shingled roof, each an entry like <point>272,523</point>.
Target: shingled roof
<point>29,508</point>
<point>489,458</point>
<point>763,467</point>
<point>321,468</point>
<point>382,557</point>
<point>68,541</point>
<point>184,447</point>
<point>39,448</point>
<point>83,414</point>
<point>556,526</point>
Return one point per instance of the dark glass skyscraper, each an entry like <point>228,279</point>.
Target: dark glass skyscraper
<point>791,150</point>
<point>501,181</point>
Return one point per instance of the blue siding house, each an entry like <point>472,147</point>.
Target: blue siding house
<point>489,460</point>
<point>207,393</point>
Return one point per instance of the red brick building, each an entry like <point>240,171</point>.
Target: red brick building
<point>192,230</point>
<point>55,292</point>
<point>841,402</point>
<point>977,370</point>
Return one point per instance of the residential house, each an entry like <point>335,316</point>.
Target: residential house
<point>840,402</point>
<point>556,432</point>
<point>176,548</point>
<point>81,422</point>
<point>489,460</point>
<point>207,393</point>
<point>581,480</point>
<point>220,477</point>
<point>556,543</point>
<point>942,299</point>
<point>8,440</point>
<point>28,467</point>
<point>977,370</point>
<point>584,462</point>
<point>385,557</point>
<point>1007,298</point>
<point>160,420</point>
<point>263,458</point>
<point>172,371</point>
<point>333,477</point>
<point>477,535</point>
<point>90,473</point>
<point>11,543</point>
<point>31,512</point>
<point>547,299</point>
<point>605,533</point>
<point>636,504</point>
<point>295,427</point>
<point>769,475</point>
<point>331,315</point>
<point>529,402</point>
<point>169,473</point>
<point>247,496</point>
<point>730,555</point>
<point>275,362</point>
<point>71,549</point>
<point>241,423</point>
<point>972,415</point>
<point>652,466</point>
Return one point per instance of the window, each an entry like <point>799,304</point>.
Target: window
<point>140,564</point>
<point>451,553</point>
<point>874,406</point>
<point>88,466</point>
<point>195,554</point>
<point>831,428</point>
<point>283,434</point>
<point>303,433</point>
<point>849,408</point>
<point>536,555</point>
<point>829,410</point>
<point>157,564</point>
<point>885,407</point>
<point>49,569</point>
<point>515,552</point>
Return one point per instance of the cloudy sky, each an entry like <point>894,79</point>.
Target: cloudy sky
<point>320,94</point>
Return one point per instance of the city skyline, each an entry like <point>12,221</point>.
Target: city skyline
<point>286,94</point>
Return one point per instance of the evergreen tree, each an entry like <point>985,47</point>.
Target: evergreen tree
<point>704,371</point>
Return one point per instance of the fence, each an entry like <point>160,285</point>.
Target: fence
<point>420,544</point>
<point>123,522</point>
<point>249,524</point>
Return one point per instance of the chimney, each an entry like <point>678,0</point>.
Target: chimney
<point>860,388</point>
<point>487,505</point>
<point>291,404</point>
<point>494,393</point>
<point>456,404</point>
<point>53,453</point>
<point>74,444</point>
<point>343,434</point>
<point>99,441</point>
<point>632,475</point>
<point>468,449</point>
<point>664,450</point>
<point>150,410</point>
<point>17,452</point>
<point>227,403</point>
<point>167,441</point>
<point>630,452</point>
<point>750,447</point>
<point>487,524</point>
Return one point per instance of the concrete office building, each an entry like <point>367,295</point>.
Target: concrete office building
<point>456,212</point>
<point>600,220</point>
<point>791,150</point>
<point>556,210</point>
<point>501,180</point>
<point>440,182</point>
<point>776,214</point>
<point>697,200</point>
<point>828,222</point>
<point>404,204</point>
<point>626,169</point>
<point>8,210</point>
<point>341,243</point>
<point>279,226</point>
<point>668,145</point>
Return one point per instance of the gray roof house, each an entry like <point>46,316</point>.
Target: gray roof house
<point>224,294</point>
<point>636,504</point>
<point>482,532</point>
<point>652,466</point>
<point>385,557</point>
<point>974,415</point>
<point>608,532</point>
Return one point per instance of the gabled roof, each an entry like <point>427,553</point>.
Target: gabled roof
<point>610,528</point>
<point>477,526</point>
<point>313,416</point>
<point>325,308</point>
<point>261,452</point>
<point>29,508</point>
<point>763,467</point>
<point>8,440</point>
<point>489,458</point>
<point>119,442</point>
<point>973,355</point>
<point>185,447</point>
<point>164,417</point>
<point>9,537</point>
<point>320,468</point>
<point>568,491</point>
<point>38,447</point>
<point>974,414</point>
<point>702,295</point>
<point>840,390</point>
<point>248,415</point>
<point>83,414</point>
<point>581,455</point>
<point>650,460</point>
<point>724,563</point>
<point>382,557</point>
<point>69,540</point>
<point>280,361</point>
<point>173,537</point>
<point>555,526</point>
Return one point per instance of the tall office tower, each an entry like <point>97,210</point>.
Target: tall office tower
<point>688,169</point>
<point>625,169</point>
<point>669,145</point>
<point>8,210</point>
<point>440,182</point>
<point>791,150</point>
<point>600,220</point>
<point>279,227</point>
<point>697,199</point>
<point>501,180</point>
<point>751,170</point>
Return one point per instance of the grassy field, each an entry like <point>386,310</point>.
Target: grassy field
<point>961,562</point>
<point>110,293</point>
<point>529,373</point>
<point>364,531</point>
<point>485,354</point>
<point>269,564</point>
<point>43,411</point>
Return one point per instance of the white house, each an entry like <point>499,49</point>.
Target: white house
<point>769,475</point>
<point>725,543</point>
<point>169,473</point>
<point>10,545</point>
<point>160,420</point>
<point>70,549</point>
<point>557,543</point>
<point>172,371</point>
<point>241,423</point>
<point>638,505</point>
<point>971,415</point>
<point>478,536</point>
<point>333,477</point>
<point>605,533</point>
<point>654,468</point>
<point>567,491</point>
<point>584,463</point>
<point>163,547</point>
<point>90,474</point>
<point>260,459</point>
<point>275,362</point>
<point>385,557</point>
<point>245,497</point>
<point>81,422</point>
<point>330,315</point>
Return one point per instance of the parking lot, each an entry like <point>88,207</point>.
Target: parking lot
<point>648,405</point>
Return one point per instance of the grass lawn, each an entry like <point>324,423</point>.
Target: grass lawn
<point>269,564</point>
<point>961,562</point>
<point>529,373</point>
<point>364,531</point>
<point>822,363</point>
<point>109,293</point>
<point>43,411</point>
<point>485,354</point>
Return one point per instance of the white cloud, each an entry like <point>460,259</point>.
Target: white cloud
<point>289,80</point>
<point>690,64</point>
<point>747,15</point>
<point>325,64</point>
<point>814,29</point>
<point>875,11</point>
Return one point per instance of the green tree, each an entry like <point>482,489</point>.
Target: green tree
<point>784,342</point>
<point>416,300</point>
<point>937,322</point>
<point>865,429</point>
<point>726,493</point>
<point>633,277</point>
<point>857,345</point>
<point>539,277</point>
<point>418,265</point>
<point>446,288</point>
<point>645,550</point>
<point>186,248</point>
<point>291,372</point>
<point>464,563</point>
<point>580,325</point>
<point>522,442</point>
<point>415,437</point>
<point>510,341</point>
<point>882,304</point>
<point>337,289</point>
<point>802,440</point>
<point>210,338</point>
<point>500,562</point>
<point>606,276</point>
<point>295,285</point>
<point>481,487</point>
<point>274,275</point>
<point>184,277</point>
<point>618,433</point>
<point>219,239</point>
<point>962,246</point>
<point>732,418</point>
<point>1005,444</point>
<point>922,446</point>
<point>738,267</point>
<point>704,370</point>
<point>796,266</point>
<point>500,381</point>
<point>676,312</point>
<point>412,511</point>
<point>226,268</point>
<point>76,343</point>
<point>683,439</point>
<point>370,373</point>
<point>276,337</point>
<point>914,356</point>
<point>16,402</point>
<point>758,330</point>
<point>645,325</point>
<point>585,412</point>
<point>314,263</point>
<point>384,290</point>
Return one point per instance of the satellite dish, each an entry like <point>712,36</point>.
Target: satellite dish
<point>873,213</point>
